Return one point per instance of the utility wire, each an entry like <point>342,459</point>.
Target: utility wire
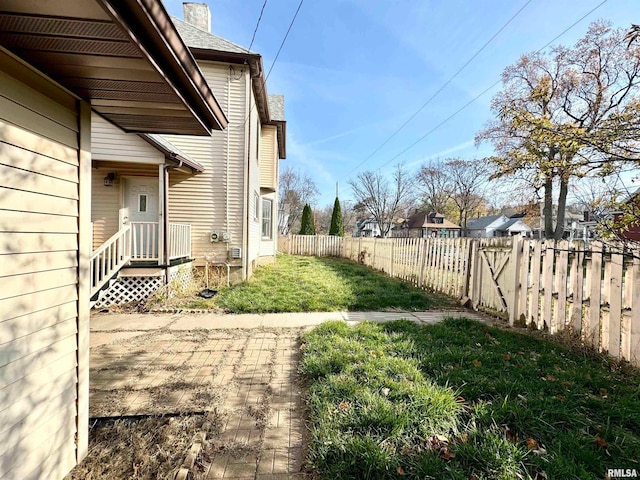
<point>488,88</point>
<point>257,25</point>
<point>276,57</point>
<point>441,88</point>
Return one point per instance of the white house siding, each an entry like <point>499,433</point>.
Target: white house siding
<point>110,143</point>
<point>201,200</point>
<point>254,185</point>
<point>269,183</point>
<point>268,158</point>
<point>42,319</point>
<point>106,201</point>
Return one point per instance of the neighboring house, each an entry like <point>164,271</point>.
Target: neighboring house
<point>497,226</point>
<point>631,232</point>
<point>185,199</point>
<point>429,224</point>
<point>367,227</point>
<point>58,61</point>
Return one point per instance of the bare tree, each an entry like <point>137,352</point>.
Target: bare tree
<point>435,185</point>
<point>469,180</point>
<point>381,198</point>
<point>296,190</point>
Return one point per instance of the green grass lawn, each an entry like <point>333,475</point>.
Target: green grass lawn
<point>310,284</point>
<point>460,400</point>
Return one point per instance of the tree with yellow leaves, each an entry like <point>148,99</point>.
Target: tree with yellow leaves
<point>566,114</point>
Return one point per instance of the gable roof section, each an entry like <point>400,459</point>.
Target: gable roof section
<point>207,46</point>
<point>125,58</point>
<point>197,38</point>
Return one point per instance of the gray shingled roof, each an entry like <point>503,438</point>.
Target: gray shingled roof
<point>196,38</point>
<point>482,222</point>
<point>276,108</point>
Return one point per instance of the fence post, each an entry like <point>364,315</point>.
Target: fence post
<point>514,311</point>
<point>576,286</point>
<point>632,347</point>
<point>614,318</point>
<point>474,290</point>
<point>595,292</point>
<point>391,269</point>
<point>547,282</point>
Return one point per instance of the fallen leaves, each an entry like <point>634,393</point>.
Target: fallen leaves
<point>600,442</point>
<point>401,471</point>
<point>476,362</point>
<point>535,447</point>
<point>343,405</point>
<point>532,444</point>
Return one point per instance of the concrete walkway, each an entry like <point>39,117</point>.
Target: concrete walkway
<point>106,328</point>
<point>244,367</point>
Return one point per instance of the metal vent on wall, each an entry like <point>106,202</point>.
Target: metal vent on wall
<point>236,252</point>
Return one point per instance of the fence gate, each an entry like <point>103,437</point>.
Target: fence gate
<point>494,275</point>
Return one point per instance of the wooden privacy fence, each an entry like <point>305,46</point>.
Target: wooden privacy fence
<point>594,291</point>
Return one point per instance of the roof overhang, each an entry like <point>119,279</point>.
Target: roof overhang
<point>124,57</point>
<point>281,127</point>
<point>173,155</point>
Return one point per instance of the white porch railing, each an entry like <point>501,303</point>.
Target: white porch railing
<point>110,257</point>
<point>138,241</point>
<point>144,238</point>
<point>179,240</point>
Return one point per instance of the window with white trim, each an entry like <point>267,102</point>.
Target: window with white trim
<point>267,210</point>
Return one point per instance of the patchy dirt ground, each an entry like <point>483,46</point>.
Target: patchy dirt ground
<point>234,393</point>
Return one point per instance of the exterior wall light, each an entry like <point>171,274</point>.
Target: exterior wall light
<point>108,180</point>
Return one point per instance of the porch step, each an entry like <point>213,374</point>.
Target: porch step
<point>141,272</point>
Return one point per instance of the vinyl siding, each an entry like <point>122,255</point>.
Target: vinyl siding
<point>39,249</point>
<point>255,228</point>
<point>201,200</point>
<point>110,143</point>
<point>268,158</point>
<point>106,201</point>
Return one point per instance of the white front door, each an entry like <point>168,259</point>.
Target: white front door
<point>141,199</point>
<point>141,212</point>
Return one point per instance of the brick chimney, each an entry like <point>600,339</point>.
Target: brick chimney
<point>197,15</point>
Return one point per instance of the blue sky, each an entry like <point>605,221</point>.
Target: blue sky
<point>353,71</point>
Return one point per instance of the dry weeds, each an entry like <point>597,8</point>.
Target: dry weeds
<point>144,448</point>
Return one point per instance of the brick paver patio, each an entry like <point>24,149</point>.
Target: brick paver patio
<point>173,364</point>
<point>248,376</point>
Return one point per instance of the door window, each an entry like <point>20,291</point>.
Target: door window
<point>142,202</point>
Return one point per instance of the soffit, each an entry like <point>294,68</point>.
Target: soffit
<point>140,81</point>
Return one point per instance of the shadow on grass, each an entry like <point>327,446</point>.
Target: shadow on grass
<point>529,407</point>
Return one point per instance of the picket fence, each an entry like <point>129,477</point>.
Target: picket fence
<point>592,291</point>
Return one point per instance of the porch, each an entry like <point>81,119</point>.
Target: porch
<point>138,245</point>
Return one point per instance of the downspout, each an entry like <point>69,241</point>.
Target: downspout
<point>247,143</point>
<point>226,188</point>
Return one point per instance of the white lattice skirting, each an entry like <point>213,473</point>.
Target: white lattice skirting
<point>180,278</point>
<point>129,289</point>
